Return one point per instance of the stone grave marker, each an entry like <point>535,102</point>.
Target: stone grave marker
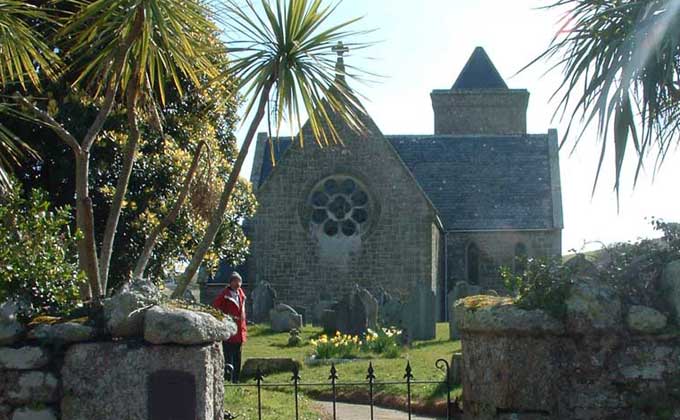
<point>419,314</point>
<point>460,290</point>
<point>284,318</point>
<point>370,305</point>
<point>264,299</point>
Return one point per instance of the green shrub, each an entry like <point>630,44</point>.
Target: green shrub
<point>38,257</point>
<point>543,284</point>
<point>633,269</point>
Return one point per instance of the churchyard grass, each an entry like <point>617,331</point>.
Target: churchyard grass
<point>242,403</point>
<point>262,342</point>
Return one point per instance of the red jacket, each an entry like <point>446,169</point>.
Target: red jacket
<point>236,310</point>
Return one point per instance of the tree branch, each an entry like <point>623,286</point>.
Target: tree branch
<point>216,220</point>
<point>123,179</point>
<point>114,82</point>
<point>50,122</point>
<point>150,242</point>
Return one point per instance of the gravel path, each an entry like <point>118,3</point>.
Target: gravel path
<point>347,411</point>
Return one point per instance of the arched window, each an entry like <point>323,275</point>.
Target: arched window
<point>472,263</point>
<point>520,258</point>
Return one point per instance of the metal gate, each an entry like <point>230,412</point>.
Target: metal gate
<point>333,383</point>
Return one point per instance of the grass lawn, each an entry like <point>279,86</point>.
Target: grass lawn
<point>422,355</point>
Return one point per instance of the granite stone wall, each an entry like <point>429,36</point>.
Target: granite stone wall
<point>496,249</point>
<point>604,359</point>
<point>129,360</point>
<point>397,248</point>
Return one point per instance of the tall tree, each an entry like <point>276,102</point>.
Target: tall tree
<point>621,69</point>
<point>133,49</point>
<point>287,55</point>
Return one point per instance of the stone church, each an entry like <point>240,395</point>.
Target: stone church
<point>400,212</point>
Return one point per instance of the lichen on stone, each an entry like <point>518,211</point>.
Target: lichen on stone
<point>485,301</point>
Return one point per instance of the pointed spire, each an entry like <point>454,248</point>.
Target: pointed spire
<point>479,73</point>
<point>340,49</point>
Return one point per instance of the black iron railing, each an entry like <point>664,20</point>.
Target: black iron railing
<point>371,383</point>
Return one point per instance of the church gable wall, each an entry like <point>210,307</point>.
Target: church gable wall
<point>303,264</point>
<point>496,249</point>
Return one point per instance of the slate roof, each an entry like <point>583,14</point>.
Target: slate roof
<point>280,145</point>
<point>474,182</point>
<point>479,73</point>
<point>483,182</point>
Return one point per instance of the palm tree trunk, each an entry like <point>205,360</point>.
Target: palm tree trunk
<point>123,180</point>
<point>218,214</point>
<point>85,221</point>
<point>150,242</point>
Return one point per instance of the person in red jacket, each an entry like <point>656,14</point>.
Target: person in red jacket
<point>232,301</point>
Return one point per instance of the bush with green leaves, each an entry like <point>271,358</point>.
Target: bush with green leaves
<point>38,256</point>
<point>543,284</point>
<point>633,269</point>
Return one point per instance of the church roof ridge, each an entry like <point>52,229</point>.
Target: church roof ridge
<point>479,73</point>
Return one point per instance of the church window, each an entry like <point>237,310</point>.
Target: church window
<point>472,263</point>
<point>319,199</point>
<point>339,207</point>
<point>331,228</point>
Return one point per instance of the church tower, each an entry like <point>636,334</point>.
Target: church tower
<point>480,102</point>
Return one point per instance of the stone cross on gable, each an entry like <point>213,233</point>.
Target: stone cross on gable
<point>340,49</point>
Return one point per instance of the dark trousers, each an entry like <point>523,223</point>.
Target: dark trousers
<point>232,356</point>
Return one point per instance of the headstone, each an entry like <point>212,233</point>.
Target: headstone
<point>383,296</point>
<point>392,314</point>
<point>172,395</point>
<point>460,290</point>
<point>370,306</point>
<point>264,298</point>
<point>350,315</point>
<point>284,318</point>
<point>319,308</point>
<point>419,314</point>
<point>456,369</point>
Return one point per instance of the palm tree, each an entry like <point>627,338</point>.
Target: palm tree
<point>126,51</point>
<point>288,57</point>
<point>621,66</point>
<point>25,58</point>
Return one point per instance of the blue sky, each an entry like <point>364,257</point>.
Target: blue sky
<point>424,44</point>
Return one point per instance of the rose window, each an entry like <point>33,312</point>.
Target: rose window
<point>339,207</point>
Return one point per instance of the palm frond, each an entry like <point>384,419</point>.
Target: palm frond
<point>621,70</point>
<point>177,40</point>
<point>25,59</point>
<point>25,56</point>
<point>288,39</point>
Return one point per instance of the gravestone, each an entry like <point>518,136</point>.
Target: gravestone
<point>419,314</point>
<point>284,318</point>
<point>172,395</point>
<point>370,305</point>
<point>350,315</point>
<point>460,290</point>
<point>392,314</point>
<point>319,308</point>
<point>382,296</point>
<point>264,299</point>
